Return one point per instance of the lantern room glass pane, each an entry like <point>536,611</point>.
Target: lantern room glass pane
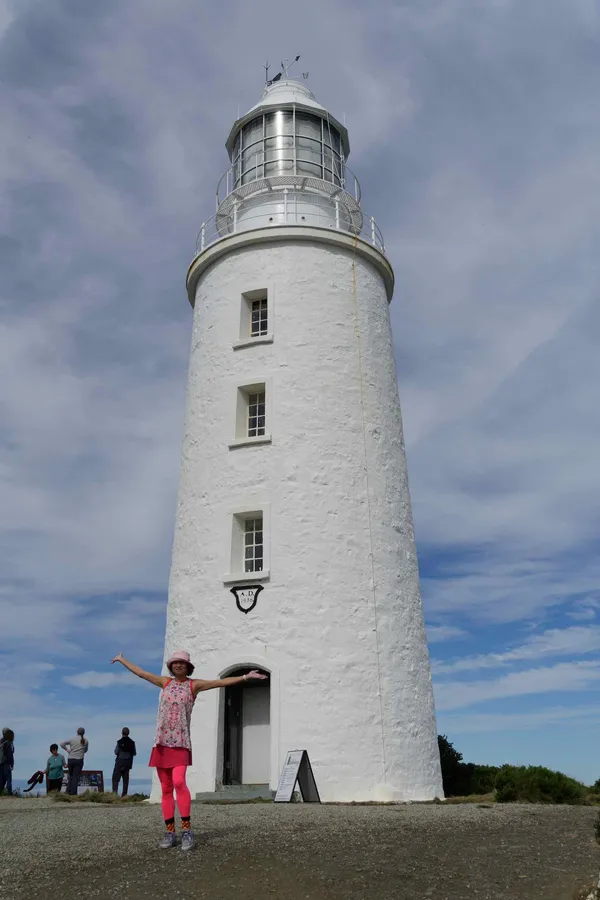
<point>252,155</point>
<point>279,122</point>
<point>267,146</point>
<point>279,143</point>
<point>308,145</point>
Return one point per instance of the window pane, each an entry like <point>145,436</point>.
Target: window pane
<point>279,123</point>
<point>253,131</point>
<point>259,318</point>
<point>308,126</point>
<point>253,550</point>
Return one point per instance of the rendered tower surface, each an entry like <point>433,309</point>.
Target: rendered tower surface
<point>294,550</point>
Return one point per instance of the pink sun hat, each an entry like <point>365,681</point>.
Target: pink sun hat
<point>181,656</point>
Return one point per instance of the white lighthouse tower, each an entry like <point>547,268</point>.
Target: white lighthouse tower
<point>294,550</point>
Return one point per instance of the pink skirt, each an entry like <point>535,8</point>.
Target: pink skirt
<point>169,757</point>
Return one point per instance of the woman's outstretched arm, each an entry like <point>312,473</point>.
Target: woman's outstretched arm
<point>200,685</point>
<point>158,680</point>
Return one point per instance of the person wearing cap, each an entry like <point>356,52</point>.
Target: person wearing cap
<point>76,747</point>
<point>124,752</point>
<point>172,750</point>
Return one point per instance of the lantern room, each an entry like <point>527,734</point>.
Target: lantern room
<point>288,168</point>
<point>288,133</point>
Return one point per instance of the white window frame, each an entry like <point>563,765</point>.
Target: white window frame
<point>263,307</point>
<point>264,292</point>
<point>239,414</point>
<point>235,546</point>
<point>246,544</point>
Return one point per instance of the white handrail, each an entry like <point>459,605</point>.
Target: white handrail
<point>335,216</point>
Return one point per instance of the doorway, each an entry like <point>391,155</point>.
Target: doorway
<point>247,732</point>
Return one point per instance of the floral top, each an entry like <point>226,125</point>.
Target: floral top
<point>174,714</point>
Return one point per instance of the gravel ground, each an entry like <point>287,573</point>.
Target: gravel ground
<point>298,852</point>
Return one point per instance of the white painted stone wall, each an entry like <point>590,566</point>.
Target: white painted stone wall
<point>339,623</point>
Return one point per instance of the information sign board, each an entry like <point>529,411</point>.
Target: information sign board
<point>297,770</point>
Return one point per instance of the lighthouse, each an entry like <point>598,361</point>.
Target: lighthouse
<point>294,550</point>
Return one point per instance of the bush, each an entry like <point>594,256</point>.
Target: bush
<point>461,779</point>
<point>511,784</point>
<point>536,784</point>
<point>452,765</point>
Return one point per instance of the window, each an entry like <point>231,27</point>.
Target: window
<point>252,414</point>
<point>256,414</point>
<point>259,320</point>
<point>247,544</point>
<point>253,545</point>
<point>256,318</point>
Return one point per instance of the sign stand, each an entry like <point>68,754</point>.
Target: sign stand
<point>297,768</point>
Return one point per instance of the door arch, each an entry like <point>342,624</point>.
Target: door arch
<point>246,734</point>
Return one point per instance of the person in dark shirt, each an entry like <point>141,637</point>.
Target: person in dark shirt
<point>124,752</point>
<point>7,759</point>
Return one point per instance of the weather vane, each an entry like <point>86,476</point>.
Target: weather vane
<point>286,65</point>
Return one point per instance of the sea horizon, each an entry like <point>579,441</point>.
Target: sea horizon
<point>136,785</point>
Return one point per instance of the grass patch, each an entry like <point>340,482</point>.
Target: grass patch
<point>107,798</point>
<point>484,799</point>
<point>18,793</point>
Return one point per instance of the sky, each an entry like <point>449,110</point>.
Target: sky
<point>475,135</point>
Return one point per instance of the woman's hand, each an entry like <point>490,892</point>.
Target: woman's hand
<point>255,675</point>
<point>158,680</point>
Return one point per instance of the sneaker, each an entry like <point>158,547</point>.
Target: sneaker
<point>169,840</point>
<point>187,840</point>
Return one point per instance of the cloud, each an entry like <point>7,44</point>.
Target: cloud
<point>569,677</point>
<point>438,633</point>
<point>87,680</point>
<point>533,720</point>
<point>573,641</point>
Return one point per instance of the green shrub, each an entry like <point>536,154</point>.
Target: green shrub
<point>462,779</point>
<point>536,784</point>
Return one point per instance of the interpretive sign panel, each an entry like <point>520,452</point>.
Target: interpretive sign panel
<point>297,770</point>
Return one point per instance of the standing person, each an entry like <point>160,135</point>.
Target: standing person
<point>124,751</point>
<point>7,759</point>
<point>172,751</point>
<point>55,769</point>
<point>77,747</point>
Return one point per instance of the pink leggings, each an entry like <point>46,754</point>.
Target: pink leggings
<point>174,780</point>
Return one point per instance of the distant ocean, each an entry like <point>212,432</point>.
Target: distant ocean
<point>136,786</point>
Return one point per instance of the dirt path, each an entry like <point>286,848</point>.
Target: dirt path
<point>298,852</point>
